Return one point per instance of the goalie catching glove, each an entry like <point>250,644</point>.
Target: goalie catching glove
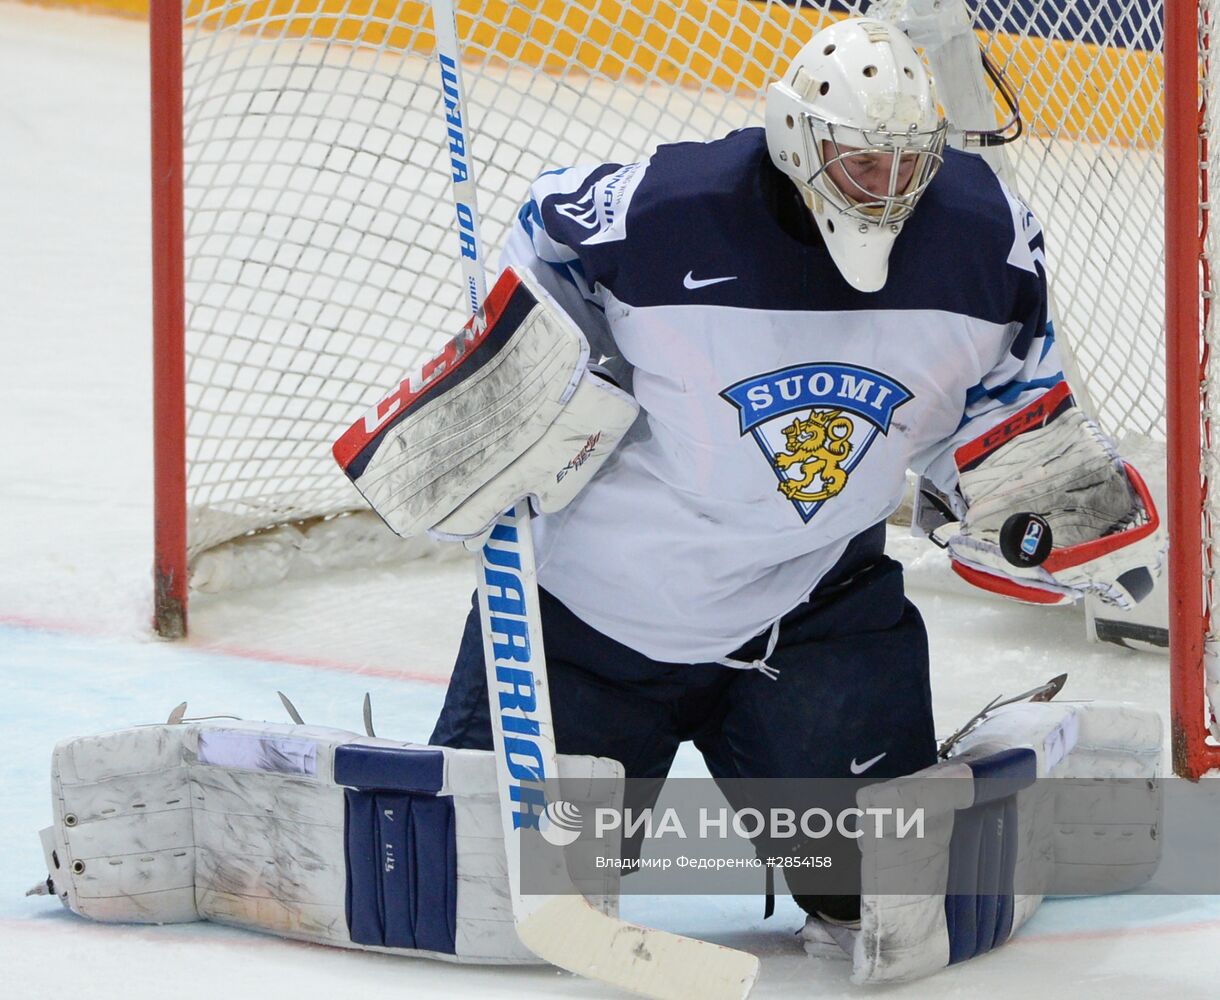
<point>508,409</point>
<point>1052,461</point>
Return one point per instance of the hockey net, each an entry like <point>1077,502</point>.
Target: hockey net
<point>320,250</point>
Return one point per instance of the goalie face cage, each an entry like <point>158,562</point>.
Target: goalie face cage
<point>305,255</point>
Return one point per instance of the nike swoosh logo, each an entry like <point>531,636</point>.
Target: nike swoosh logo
<point>861,768</point>
<point>691,282</point>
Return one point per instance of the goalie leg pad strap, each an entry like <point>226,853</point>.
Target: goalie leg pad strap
<point>305,832</point>
<point>995,840</point>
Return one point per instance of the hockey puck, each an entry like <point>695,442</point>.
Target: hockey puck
<point>1025,539</point>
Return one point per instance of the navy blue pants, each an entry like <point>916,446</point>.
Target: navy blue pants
<point>852,688</point>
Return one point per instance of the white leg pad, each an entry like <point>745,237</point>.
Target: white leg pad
<point>1070,836</point>
<point>301,831</point>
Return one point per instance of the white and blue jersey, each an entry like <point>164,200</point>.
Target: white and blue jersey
<point>780,407</point>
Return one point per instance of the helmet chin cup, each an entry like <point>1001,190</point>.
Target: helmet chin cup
<point>857,92</point>
<point>860,250</point>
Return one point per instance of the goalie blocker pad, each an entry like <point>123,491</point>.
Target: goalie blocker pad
<point>301,831</point>
<point>1003,838</point>
<point>508,409</point>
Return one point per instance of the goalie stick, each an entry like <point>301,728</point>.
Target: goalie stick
<point>563,929</point>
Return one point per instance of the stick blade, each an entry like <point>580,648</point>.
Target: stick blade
<point>566,931</point>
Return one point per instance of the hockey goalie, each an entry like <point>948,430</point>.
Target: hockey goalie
<point>802,313</point>
<point>710,371</point>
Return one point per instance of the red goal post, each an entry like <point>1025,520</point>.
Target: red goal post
<point>1192,514</point>
<point>171,575</point>
<point>304,254</point>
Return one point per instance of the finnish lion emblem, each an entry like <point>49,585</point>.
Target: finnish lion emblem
<point>815,423</point>
<point>818,444</point>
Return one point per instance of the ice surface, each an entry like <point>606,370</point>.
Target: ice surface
<point>76,656</point>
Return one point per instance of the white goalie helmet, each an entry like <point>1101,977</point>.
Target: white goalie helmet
<point>855,123</point>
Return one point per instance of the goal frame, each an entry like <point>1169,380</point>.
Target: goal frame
<point>1186,277</point>
<point>1185,361</point>
<point>171,570</point>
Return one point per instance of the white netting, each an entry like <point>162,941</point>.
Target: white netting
<point>1093,172</point>
<point>321,249</point>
